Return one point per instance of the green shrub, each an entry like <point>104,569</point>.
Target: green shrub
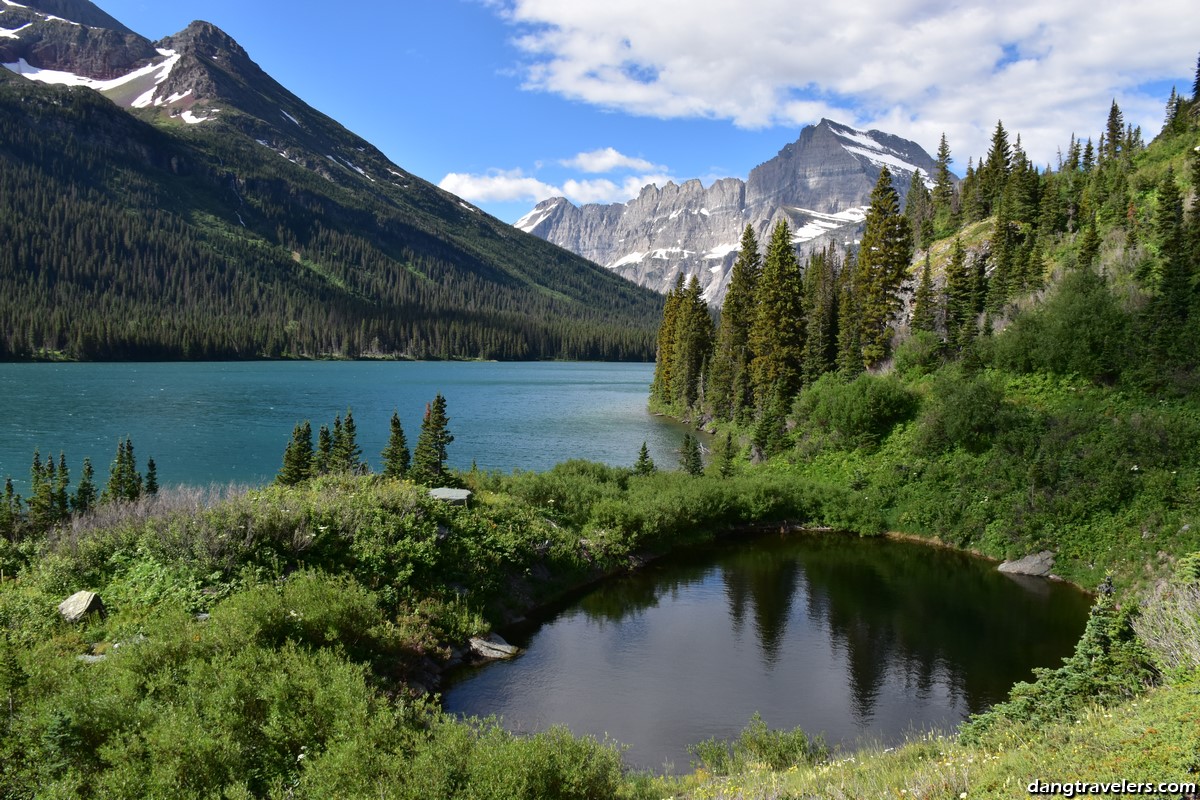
<point>855,414</point>
<point>963,410</point>
<point>758,745</point>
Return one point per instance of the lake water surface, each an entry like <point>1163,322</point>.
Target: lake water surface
<point>220,422</point>
<point>861,640</point>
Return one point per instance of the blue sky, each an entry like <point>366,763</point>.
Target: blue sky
<point>506,102</point>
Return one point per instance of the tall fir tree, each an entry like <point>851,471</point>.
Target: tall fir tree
<point>729,390</point>
<point>396,457</point>
<point>690,459</point>
<point>429,459</point>
<point>85,492</point>
<point>693,342</point>
<point>821,278</point>
<point>777,338</point>
<point>152,477</point>
<point>662,389</point>
<point>849,309</point>
<point>994,171</point>
<point>924,314</point>
<point>1172,303</point>
<point>883,261</point>
<point>10,512</point>
<point>347,455</point>
<point>960,298</point>
<point>297,456</point>
<point>644,464</point>
<point>725,458</point>
<point>323,455</point>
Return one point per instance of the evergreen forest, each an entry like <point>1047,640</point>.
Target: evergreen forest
<point>143,239</point>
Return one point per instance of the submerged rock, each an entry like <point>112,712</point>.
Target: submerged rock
<point>79,605</point>
<point>1039,564</point>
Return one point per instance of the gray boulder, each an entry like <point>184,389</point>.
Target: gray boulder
<point>492,647</point>
<point>79,605</point>
<point>1040,564</point>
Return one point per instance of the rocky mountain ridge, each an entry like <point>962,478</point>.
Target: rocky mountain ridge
<point>820,185</point>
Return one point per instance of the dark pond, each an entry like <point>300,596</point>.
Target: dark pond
<point>860,640</point>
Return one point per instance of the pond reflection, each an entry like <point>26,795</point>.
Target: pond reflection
<point>850,637</point>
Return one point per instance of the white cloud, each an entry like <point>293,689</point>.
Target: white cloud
<point>515,186</point>
<point>608,159</point>
<point>913,67</point>
<point>497,186</point>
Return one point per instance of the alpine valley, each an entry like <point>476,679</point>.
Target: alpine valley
<point>170,200</point>
<point>819,185</point>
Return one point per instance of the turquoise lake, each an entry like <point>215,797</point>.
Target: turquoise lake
<point>217,423</point>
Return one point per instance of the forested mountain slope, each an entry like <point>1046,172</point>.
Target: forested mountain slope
<point>198,209</point>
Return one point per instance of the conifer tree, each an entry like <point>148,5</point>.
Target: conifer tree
<point>297,456</point>
<point>152,477</point>
<point>10,511</point>
<point>124,481</point>
<point>692,346</point>
<point>883,261</point>
<point>396,458</point>
<point>924,315</point>
<point>960,298</point>
<point>821,284</point>
<point>62,497</point>
<point>429,459</point>
<point>726,456</point>
<point>323,456</point>
<point>1171,306</point>
<point>661,389</point>
<point>918,210</point>
<point>347,455</point>
<point>41,494</point>
<point>849,344</point>
<point>644,464</point>
<point>777,338</point>
<point>729,390</point>
<point>689,456</point>
<point>943,186</point>
<point>1114,131</point>
<point>85,492</point>
<point>1002,259</point>
<point>993,173</point>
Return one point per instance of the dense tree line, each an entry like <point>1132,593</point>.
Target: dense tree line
<point>127,242</point>
<point>997,235</point>
<point>52,502</point>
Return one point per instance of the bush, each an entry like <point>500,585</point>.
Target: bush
<point>855,414</point>
<point>963,410</point>
<point>758,745</point>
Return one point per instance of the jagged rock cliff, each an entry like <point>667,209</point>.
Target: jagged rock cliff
<point>820,184</point>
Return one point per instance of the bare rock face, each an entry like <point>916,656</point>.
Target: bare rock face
<point>70,36</point>
<point>79,605</point>
<point>820,185</point>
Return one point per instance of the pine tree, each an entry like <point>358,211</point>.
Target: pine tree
<point>728,383</point>
<point>924,315</point>
<point>960,302</point>
<point>1172,303</point>
<point>346,455</point>
<point>429,459</point>
<point>918,210</point>
<point>644,464</point>
<point>62,497</point>
<point>85,492</point>
<point>152,477</point>
<point>1114,131</point>
<point>821,278</point>
<point>692,347</point>
<point>943,187</point>
<point>1002,259</point>
<point>41,494</point>
<point>993,173</point>
<point>777,337</point>
<point>882,266</point>
<point>726,456</point>
<point>323,456</point>
<point>396,458</point>
<point>10,511</point>
<point>849,309</point>
<point>662,389</point>
<point>1196,87</point>
<point>297,456</point>
<point>689,456</point>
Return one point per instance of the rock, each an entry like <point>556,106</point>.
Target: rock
<point>1039,564</point>
<point>80,604</point>
<point>90,659</point>
<point>492,647</point>
<point>820,185</point>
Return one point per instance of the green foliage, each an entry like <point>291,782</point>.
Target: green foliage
<point>689,456</point>
<point>644,465</point>
<point>881,268</point>
<point>777,333</point>
<point>1109,664</point>
<point>297,456</point>
<point>396,457</point>
<point>858,413</point>
<point>429,459</point>
<point>759,745</point>
<point>963,410</point>
<point>1079,330</point>
<point>728,385</point>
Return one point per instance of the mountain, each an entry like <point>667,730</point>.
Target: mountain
<point>820,185</point>
<point>171,200</point>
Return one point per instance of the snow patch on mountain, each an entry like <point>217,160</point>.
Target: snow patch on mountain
<point>15,33</point>
<point>157,72</point>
